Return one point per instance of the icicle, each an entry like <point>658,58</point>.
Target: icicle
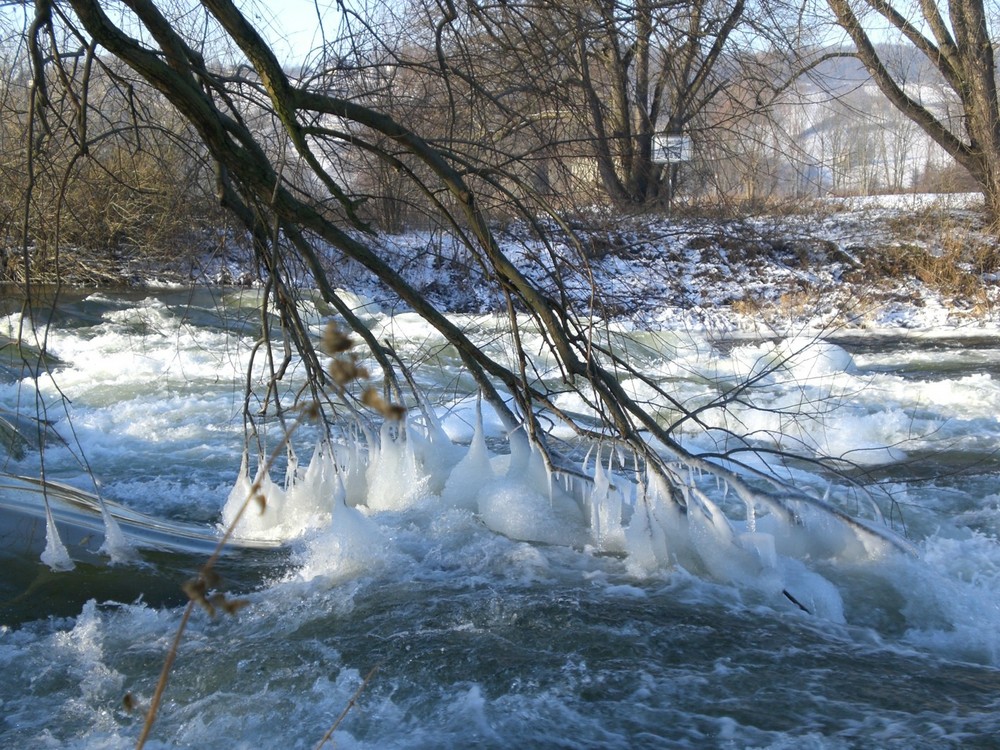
<point>520,452</point>
<point>435,430</point>
<point>339,498</point>
<point>599,477</point>
<point>599,498</point>
<point>115,544</point>
<point>321,478</point>
<point>292,467</point>
<point>645,538</point>
<point>751,517</point>
<point>355,472</point>
<point>472,472</point>
<point>877,511</point>
<point>434,453</point>
<point>549,476</point>
<point>395,480</point>
<point>55,554</point>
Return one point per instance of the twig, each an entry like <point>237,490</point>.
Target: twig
<point>161,684</point>
<point>197,588</point>
<point>350,704</point>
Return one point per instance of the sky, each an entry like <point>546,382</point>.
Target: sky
<point>292,26</point>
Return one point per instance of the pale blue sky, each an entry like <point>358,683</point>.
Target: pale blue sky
<point>292,26</point>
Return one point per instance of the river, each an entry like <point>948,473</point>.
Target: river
<point>485,611</point>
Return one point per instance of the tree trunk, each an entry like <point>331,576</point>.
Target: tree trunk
<point>960,49</point>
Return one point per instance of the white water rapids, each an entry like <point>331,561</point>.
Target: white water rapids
<point>506,607</point>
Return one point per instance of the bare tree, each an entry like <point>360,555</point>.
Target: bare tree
<point>277,143</point>
<point>99,167</point>
<point>596,80</point>
<point>957,41</point>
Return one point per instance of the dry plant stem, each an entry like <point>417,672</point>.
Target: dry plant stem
<point>204,575</point>
<point>161,685</point>
<point>350,704</point>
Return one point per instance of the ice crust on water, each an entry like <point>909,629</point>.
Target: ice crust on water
<point>340,534</point>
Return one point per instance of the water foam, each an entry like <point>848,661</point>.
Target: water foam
<point>952,597</point>
<point>418,468</point>
<point>344,533</point>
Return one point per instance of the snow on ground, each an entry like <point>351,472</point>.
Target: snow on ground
<point>876,263</point>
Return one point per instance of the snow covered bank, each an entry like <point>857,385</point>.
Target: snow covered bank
<point>900,262</point>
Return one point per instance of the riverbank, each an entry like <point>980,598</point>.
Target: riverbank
<point>909,262</point>
<point>905,262</point>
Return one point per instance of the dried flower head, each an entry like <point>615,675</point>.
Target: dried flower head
<point>374,400</point>
<point>197,590</point>
<point>334,340</point>
<point>229,606</point>
<point>344,370</point>
<point>260,498</point>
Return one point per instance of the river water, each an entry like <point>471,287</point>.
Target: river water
<point>447,607</point>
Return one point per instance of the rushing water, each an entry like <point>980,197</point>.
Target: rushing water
<point>494,612</point>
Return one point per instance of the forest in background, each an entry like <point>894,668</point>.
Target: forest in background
<point>550,107</point>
